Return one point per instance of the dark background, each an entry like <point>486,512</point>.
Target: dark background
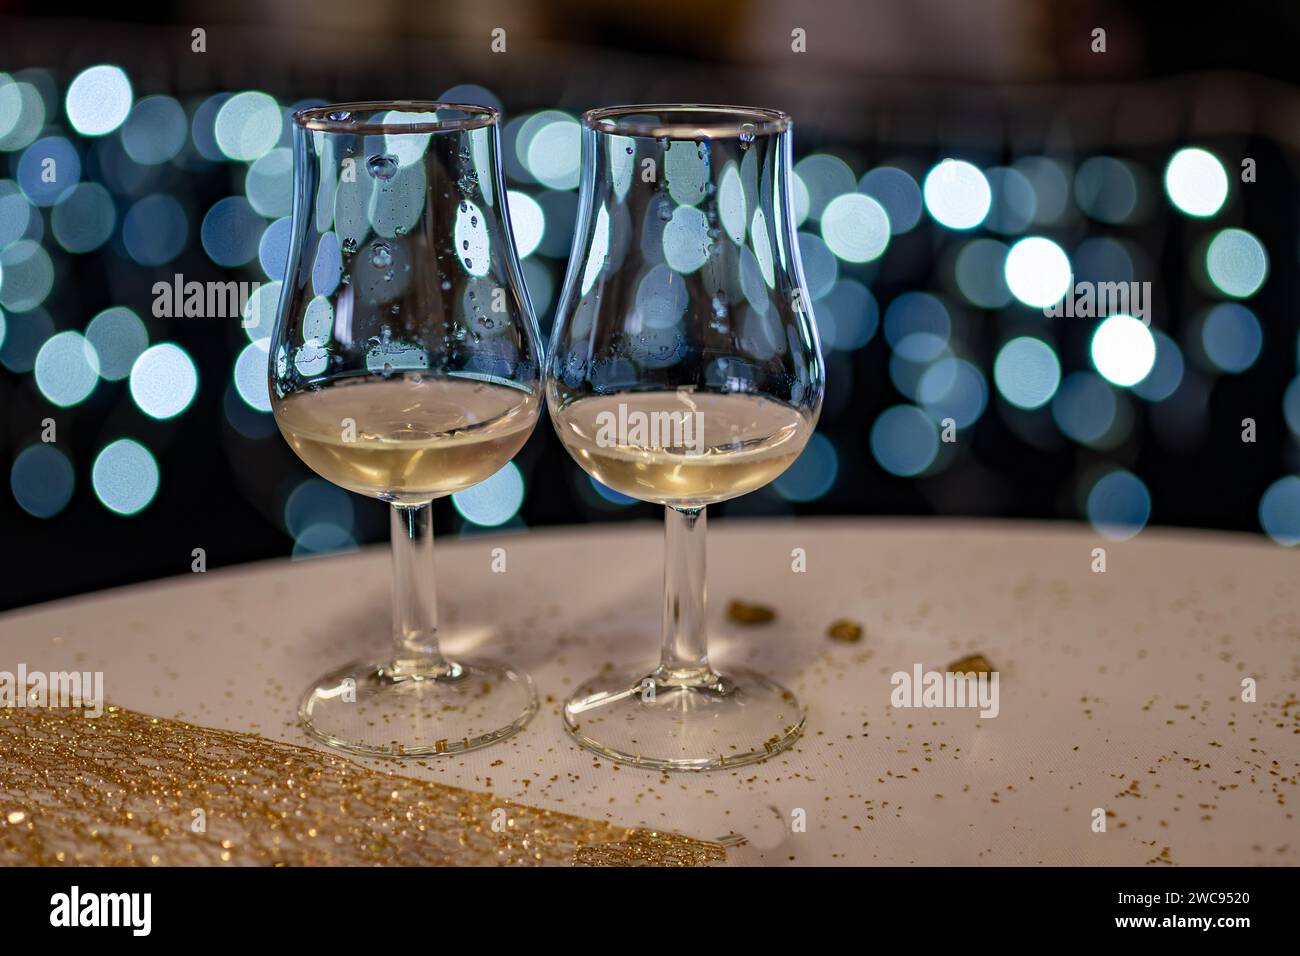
<point>881,83</point>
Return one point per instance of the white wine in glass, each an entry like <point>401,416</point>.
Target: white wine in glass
<point>684,370</point>
<point>406,365</point>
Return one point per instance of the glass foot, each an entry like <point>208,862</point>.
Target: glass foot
<point>634,717</point>
<point>369,708</point>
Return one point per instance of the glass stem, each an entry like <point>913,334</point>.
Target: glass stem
<point>685,657</point>
<point>415,596</point>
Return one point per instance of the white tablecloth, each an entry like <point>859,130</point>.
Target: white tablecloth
<point>1118,690</point>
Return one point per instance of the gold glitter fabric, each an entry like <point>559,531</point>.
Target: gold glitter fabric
<point>128,789</point>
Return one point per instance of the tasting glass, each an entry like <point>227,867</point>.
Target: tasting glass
<point>684,369</point>
<point>405,365</point>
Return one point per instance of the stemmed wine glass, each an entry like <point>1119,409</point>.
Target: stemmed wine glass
<point>405,365</point>
<point>684,370</point>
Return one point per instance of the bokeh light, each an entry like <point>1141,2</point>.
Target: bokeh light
<point>493,501</point>
<point>1119,505</point>
<point>812,474</point>
<point>1196,182</point>
<point>125,476</point>
<point>1237,263</point>
<point>904,440</point>
<point>98,100</point>
<point>1123,350</point>
<point>899,195</point>
<point>1037,271</point>
<point>164,380</point>
<point>154,230</point>
<point>155,130</point>
<point>67,369</point>
<point>118,337</point>
<point>84,217</point>
<point>1027,372</point>
<point>42,480</point>
<point>527,222</point>
<point>855,227</point>
<point>1231,337</point>
<point>1279,511</point>
<point>248,126</point>
<point>957,194</point>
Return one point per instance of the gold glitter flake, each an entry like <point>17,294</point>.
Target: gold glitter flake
<point>974,663</point>
<point>742,612</point>
<point>128,789</point>
<point>850,632</point>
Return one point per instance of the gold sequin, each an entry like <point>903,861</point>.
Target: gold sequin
<point>130,789</point>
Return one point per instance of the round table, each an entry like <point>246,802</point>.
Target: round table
<point>1120,691</point>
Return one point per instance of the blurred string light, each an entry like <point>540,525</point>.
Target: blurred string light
<point>83,218</point>
<point>231,232</point>
<point>1013,202</point>
<point>1236,263</point>
<point>26,276</point>
<point>1196,182</point>
<point>319,516</point>
<point>155,130</point>
<point>953,388</point>
<point>155,230</point>
<point>527,221</point>
<point>1085,408</point>
<point>897,193</point>
<point>493,501</point>
<point>47,168</point>
<point>1037,272</point>
<point>250,375</point>
<point>904,440</point>
<point>1027,372</point>
<point>1291,406</point>
<point>609,494</point>
<point>268,184</point>
<point>66,369</point>
<point>820,267</point>
<point>855,227</point>
<point>825,178</point>
<point>25,333</point>
<point>247,126</point>
<point>980,271</point>
<point>853,313</point>
<point>1050,184</point>
<point>16,213</point>
<point>125,476</point>
<point>1279,511</point>
<point>98,100</point>
<point>1106,189</point>
<point>1231,337</point>
<point>22,113</point>
<point>812,474</point>
<point>552,161</point>
<point>1167,372</point>
<point>957,194</point>
<point>42,480</point>
<point>1123,350</point>
<point>273,248</point>
<point>164,381</point>
<point>118,337</point>
<point>917,326</point>
<point>1119,505</point>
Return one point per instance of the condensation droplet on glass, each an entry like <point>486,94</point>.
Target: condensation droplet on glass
<point>349,246</point>
<point>382,167</point>
<point>746,135</point>
<point>340,116</point>
<point>381,256</point>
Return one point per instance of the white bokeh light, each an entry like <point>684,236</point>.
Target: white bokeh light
<point>957,194</point>
<point>1196,182</point>
<point>1037,271</point>
<point>1123,350</point>
<point>98,100</point>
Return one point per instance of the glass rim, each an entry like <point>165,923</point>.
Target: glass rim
<point>317,118</point>
<point>732,122</point>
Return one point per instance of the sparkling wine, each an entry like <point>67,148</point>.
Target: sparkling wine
<point>408,439</point>
<point>685,448</point>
